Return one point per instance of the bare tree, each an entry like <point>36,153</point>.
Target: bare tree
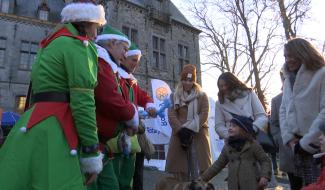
<point>293,13</point>
<point>239,38</point>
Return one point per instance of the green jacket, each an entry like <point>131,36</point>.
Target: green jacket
<point>67,65</point>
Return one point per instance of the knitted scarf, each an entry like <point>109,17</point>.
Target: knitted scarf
<point>182,98</point>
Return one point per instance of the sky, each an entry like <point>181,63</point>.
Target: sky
<point>313,28</point>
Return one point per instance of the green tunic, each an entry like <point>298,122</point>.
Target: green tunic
<point>40,159</point>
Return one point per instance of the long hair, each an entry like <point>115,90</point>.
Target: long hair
<point>305,52</point>
<point>232,82</point>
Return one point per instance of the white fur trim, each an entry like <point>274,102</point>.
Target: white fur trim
<point>73,152</point>
<point>133,52</point>
<point>23,129</point>
<point>85,42</point>
<point>102,53</point>
<point>92,164</point>
<point>123,74</point>
<point>76,12</point>
<point>113,37</point>
<point>134,122</point>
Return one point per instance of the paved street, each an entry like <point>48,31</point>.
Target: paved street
<point>151,177</point>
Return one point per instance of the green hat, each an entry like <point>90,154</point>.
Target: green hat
<point>133,50</point>
<point>110,33</point>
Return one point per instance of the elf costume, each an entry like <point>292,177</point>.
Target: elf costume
<point>42,150</point>
<point>114,112</point>
<point>140,98</point>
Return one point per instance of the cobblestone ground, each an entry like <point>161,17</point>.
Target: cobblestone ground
<point>152,176</point>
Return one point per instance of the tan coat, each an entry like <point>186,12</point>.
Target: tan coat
<point>244,168</point>
<point>177,158</point>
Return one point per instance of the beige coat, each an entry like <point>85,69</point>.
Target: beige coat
<point>177,158</point>
<point>245,168</point>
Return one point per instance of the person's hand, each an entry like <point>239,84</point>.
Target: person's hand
<point>263,182</point>
<point>131,131</point>
<point>185,136</point>
<point>90,178</point>
<point>152,112</point>
<point>292,143</point>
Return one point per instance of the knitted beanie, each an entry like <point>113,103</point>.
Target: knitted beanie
<point>189,72</point>
<point>243,122</point>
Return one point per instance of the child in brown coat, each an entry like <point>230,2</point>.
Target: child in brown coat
<point>248,165</point>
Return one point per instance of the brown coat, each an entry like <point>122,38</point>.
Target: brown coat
<point>177,158</point>
<point>245,168</point>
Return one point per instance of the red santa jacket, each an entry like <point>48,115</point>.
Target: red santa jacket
<point>141,97</point>
<point>112,107</point>
<point>320,184</point>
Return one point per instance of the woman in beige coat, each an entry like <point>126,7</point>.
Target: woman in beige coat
<point>189,152</point>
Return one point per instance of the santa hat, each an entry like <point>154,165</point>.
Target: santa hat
<point>111,33</point>
<point>189,72</point>
<point>83,11</point>
<point>133,50</point>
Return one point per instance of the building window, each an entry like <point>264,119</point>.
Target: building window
<point>43,15</point>
<point>27,54</point>
<point>159,53</point>
<point>183,56</point>
<point>131,33</point>
<point>43,11</point>
<point>20,103</point>
<point>3,41</point>
<point>4,6</point>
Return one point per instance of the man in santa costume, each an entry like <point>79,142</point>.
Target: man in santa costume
<point>114,111</point>
<point>140,98</point>
<point>55,141</point>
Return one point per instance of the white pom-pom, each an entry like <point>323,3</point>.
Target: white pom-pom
<point>73,152</point>
<point>85,42</point>
<point>23,129</point>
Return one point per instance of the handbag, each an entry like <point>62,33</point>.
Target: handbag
<point>146,146</point>
<point>265,141</point>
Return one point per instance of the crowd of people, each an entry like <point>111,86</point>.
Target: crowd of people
<point>81,125</point>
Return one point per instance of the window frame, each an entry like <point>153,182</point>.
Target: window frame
<point>131,33</point>
<point>30,52</point>
<point>159,48</point>
<point>183,56</point>
<point>20,103</point>
<point>3,48</point>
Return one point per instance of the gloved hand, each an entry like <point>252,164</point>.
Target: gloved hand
<point>299,150</point>
<point>186,137</point>
<point>152,111</point>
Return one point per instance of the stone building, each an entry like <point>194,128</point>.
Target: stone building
<point>166,38</point>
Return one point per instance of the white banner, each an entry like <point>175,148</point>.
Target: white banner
<point>216,143</point>
<point>158,129</point>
